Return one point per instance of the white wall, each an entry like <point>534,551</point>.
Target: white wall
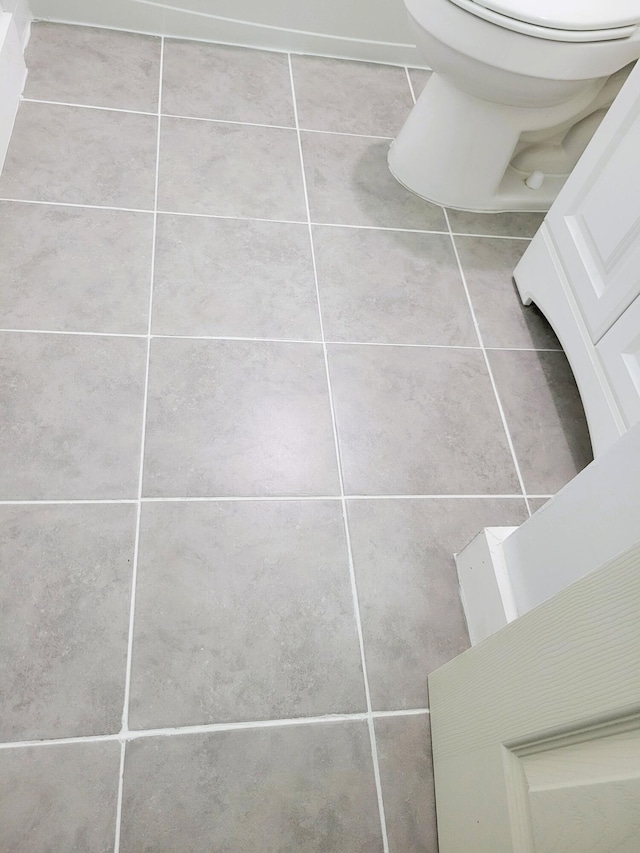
<point>14,33</point>
<point>358,29</point>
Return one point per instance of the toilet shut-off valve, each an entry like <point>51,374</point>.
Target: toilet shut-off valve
<point>535,180</point>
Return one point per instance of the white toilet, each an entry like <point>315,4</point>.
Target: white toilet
<point>517,90</point>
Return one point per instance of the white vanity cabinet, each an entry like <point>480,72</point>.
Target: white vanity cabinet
<point>582,269</point>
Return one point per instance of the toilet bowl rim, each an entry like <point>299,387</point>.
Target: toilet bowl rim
<point>505,22</point>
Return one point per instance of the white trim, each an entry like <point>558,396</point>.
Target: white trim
<point>152,18</point>
<point>487,597</point>
<point>592,518</point>
<point>21,17</point>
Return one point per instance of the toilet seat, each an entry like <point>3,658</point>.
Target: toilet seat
<point>559,20</point>
<point>569,14</point>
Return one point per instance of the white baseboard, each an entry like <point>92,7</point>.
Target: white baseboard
<point>14,33</point>
<point>485,588</point>
<point>159,19</point>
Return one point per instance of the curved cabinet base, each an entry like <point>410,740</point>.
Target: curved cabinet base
<point>540,278</point>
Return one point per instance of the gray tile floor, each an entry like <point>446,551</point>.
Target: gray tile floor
<point>254,395</point>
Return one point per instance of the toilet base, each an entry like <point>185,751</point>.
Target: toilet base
<point>455,149</point>
<point>514,197</point>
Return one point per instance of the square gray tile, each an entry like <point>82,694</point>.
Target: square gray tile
<point>229,83</point>
<point>391,287</point>
<point>349,183</point>
<point>72,416</point>
<point>545,417</point>
<point>412,620</point>
<point>74,269</point>
<point>305,788</point>
<point>64,606</point>
<point>338,95</point>
<point>406,774</point>
<point>238,418</point>
<point>243,612</point>
<point>55,798</point>
<point>504,321</point>
<point>87,65</point>
<point>81,156</point>
<point>418,421</point>
<point>418,77</point>
<point>495,224</point>
<point>234,278</point>
<point>230,170</point>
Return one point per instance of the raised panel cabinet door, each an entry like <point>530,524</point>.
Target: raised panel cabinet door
<point>536,730</point>
<point>595,220</point>
<point>619,351</point>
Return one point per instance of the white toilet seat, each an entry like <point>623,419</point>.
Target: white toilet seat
<point>569,14</point>
<point>501,19</point>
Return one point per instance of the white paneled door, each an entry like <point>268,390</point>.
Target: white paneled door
<point>536,731</point>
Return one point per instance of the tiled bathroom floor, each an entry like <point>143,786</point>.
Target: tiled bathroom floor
<point>254,395</point>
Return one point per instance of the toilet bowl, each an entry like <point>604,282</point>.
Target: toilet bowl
<point>518,88</point>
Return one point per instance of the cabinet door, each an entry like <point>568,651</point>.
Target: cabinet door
<point>595,221</point>
<point>619,351</point>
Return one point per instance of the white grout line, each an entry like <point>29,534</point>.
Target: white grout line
<point>393,344</point>
<point>491,236</point>
<point>249,725</point>
<point>356,606</point>
<point>524,349</point>
<point>71,502</point>
<point>257,218</point>
<point>433,497</point>
<point>276,340</point>
<point>201,118</point>
<point>230,121</point>
<point>239,338</point>
<point>489,370</point>
<point>64,332</point>
<point>414,712</point>
<point>346,133</point>
<point>300,222</point>
<point>86,107</point>
<point>61,741</point>
<point>134,573</point>
<point>256,498</point>
<point>413,94</point>
<point>213,728</point>
<point>276,126</point>
<point>377,228</point>
<point>75,204</point>
<point>116,844</point>
<point>232,498</point>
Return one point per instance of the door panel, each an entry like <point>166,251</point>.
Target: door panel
<point>536,730</point>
